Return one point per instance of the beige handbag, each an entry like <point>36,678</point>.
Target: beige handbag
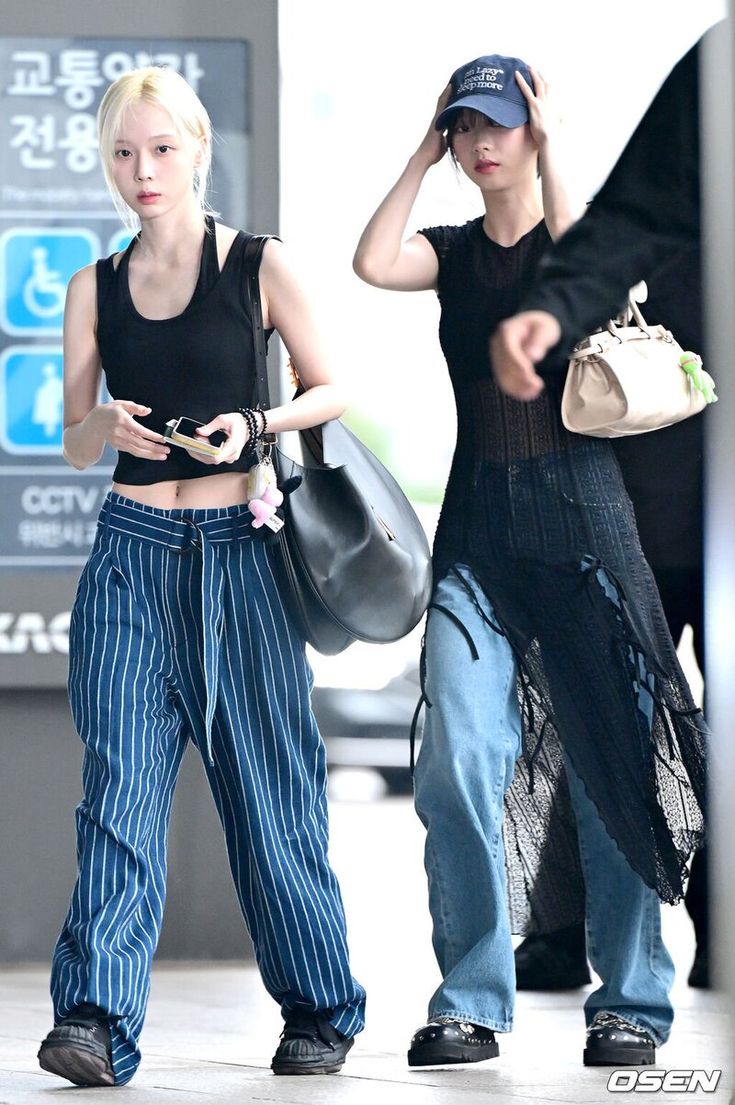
<point>631,378</point>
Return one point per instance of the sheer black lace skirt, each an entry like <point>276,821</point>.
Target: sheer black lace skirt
<point>553,542</point>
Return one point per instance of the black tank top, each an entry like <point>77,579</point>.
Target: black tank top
<point>199,364</point>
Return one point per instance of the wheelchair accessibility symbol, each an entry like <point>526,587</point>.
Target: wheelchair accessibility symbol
<point>44,291</point>
<point>35,268</point>
<point>31,399</point>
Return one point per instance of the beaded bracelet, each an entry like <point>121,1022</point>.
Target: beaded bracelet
<point>248,413</point>
<point>259,410</point>
<point>252,425</point>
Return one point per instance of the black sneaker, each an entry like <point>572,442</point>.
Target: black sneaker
<point>554,961</point>
<point>614,1042</point>
<point>310,1045</point>
<point>447,1042</point>
<point>79,1048</point>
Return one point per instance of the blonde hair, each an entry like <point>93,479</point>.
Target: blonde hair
<point>154,84</point>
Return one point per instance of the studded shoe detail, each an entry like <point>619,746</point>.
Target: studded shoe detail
<point>446,1041</point>
<point>614,1042</point>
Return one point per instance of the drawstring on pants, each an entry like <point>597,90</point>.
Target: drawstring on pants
<point>188,537</point>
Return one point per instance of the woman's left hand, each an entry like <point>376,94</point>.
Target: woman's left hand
<point>543,118</point>
<point>238,435</point>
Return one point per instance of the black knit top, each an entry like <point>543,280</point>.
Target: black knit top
<point>198,364</point>
<point>542,517</point>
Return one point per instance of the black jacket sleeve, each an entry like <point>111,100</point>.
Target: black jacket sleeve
<point>647,209</point>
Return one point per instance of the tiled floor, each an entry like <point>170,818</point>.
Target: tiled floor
<point>211,1029</point>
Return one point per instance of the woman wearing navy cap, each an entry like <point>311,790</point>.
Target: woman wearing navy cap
<point>180,629</point>
<point>552,686</point>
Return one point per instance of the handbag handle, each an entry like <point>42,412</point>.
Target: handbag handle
<point>251,263</point>
<point>637,315</point>
<point>252,255</point>
<point>632,312</point>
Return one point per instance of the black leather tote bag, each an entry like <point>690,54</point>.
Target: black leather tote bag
<point>353,550</point>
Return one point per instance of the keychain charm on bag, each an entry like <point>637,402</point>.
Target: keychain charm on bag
<point>264,497</point>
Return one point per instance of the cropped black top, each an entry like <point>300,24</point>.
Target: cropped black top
<point>198,364</point>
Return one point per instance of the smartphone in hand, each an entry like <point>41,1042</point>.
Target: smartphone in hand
<point>182,432</point>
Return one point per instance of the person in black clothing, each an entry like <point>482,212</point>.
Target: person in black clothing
<point>543,597</point>
<point>664,476</point>
<point>647,211</point>
<point>181,627</point>
<point>646,215</point>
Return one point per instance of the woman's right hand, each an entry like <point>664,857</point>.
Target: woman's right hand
<point>434,144</point>
<point>115,422</point>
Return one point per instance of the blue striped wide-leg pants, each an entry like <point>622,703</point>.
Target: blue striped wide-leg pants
<point>179,631</point>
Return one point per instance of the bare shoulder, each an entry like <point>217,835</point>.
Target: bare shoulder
<point>282,285</point>
<point>81,292</point>
<point>84,278</point>
<point>276,260</point>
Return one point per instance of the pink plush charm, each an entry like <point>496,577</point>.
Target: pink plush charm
<point>266,506</point>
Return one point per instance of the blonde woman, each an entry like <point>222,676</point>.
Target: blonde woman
<point>181,630</point>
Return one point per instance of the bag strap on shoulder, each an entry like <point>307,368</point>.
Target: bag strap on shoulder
<point>252,255</point>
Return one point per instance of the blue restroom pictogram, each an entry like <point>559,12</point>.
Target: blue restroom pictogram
<point>31,400</point>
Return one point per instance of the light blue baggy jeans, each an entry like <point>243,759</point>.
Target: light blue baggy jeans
<point>470,746</point>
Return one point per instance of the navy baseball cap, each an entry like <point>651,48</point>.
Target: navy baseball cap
<point>488,85</point>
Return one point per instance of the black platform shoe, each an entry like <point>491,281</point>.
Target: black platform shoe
<point>553,961</point>
<point>614,1042</point>
<point>79,1048</point>
<point>446,1042</point>
<point>310,1045</point>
